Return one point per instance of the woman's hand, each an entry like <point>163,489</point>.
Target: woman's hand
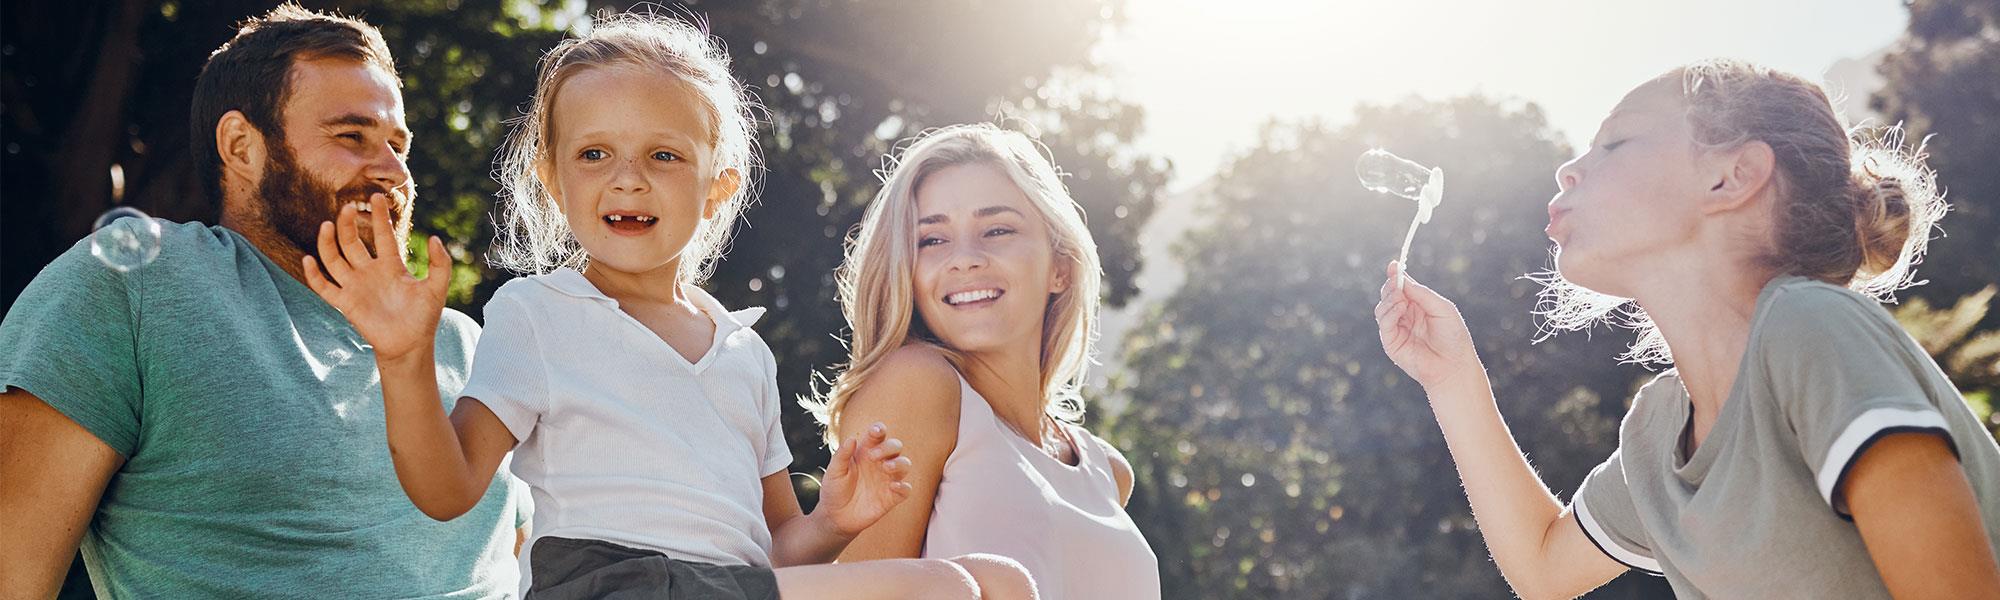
<point>395,311</point>
<point>1424,334</point>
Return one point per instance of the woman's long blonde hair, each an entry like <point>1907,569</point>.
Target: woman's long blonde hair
<point>878,286</point>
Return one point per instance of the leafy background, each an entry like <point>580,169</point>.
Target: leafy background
<point>1279,454</point>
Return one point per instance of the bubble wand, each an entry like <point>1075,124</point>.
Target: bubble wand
<point>1390,174</point>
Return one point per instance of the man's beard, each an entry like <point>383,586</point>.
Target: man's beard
<point>295,203</point>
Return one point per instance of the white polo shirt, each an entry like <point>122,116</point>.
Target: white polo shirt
<point>621,439</point>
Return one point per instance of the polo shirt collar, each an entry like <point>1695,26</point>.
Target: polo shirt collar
<point>723,317</point>
<point>571,282</point>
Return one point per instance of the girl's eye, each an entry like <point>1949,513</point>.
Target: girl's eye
<point>929,241</point>
<point>665,156</point>
<point>1614,145</point>
<point>592,154</point>
<point>999,231</point>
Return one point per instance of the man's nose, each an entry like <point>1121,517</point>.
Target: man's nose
<point>390,169</point>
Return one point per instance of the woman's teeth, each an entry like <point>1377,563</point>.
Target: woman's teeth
<point>971,296</point>
<point>641,219</point>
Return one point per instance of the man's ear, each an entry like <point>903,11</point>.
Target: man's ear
<point>1739,175</point>
<point>721,190</point>
<point>241,146</point>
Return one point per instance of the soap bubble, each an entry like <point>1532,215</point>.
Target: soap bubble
<point>125,239</point>
<point>1390,174</point>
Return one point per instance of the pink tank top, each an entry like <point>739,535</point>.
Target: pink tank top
<point>1001,495</point>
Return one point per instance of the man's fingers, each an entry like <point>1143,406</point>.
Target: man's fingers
<point>378,220</point>
<point>329,254</point>
<point>348,231</point>
<point>318,282</point>
<point>439,276</point>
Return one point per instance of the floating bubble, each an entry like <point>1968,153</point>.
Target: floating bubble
<point>1387,173</point>
<point>125,239</point>
<point>1390,174</point>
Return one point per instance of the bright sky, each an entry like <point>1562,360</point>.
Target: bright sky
<point>1209,73</point>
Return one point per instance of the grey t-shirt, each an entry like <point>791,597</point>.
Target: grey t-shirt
<point>1753,512</point>
<point>249,415</point>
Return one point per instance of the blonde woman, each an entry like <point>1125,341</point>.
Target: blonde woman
<point>971,289</point>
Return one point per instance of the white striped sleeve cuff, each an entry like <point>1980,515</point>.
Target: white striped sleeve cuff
<point>1862,432</point>
<point>1610,546</point>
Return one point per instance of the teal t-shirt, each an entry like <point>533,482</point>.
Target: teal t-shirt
<point>249,414</point>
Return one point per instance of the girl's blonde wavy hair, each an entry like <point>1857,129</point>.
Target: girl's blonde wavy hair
<point>878,286</point>
<point>1855,208</point>
<point>533,235</point>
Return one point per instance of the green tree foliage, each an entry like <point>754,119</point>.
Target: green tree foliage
<point>1943,82</point>
<point>1280,453</point>
<point>93,86</point>
<point>840,81</point>
<point>1970,356</point>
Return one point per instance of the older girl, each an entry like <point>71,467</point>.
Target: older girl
<point>1802,446</point>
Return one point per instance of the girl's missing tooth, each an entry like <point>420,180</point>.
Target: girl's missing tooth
<point>646,414</point>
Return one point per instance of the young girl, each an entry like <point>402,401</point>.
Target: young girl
<point>645,413</point>
<point>1803,446</point>
<point>971,289</point>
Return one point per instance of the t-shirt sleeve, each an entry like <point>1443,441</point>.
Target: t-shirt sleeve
<point>777,452</point>
<point>1605,510</point>
<point>71,339</point>
<point>1845,375</point>
<point>508,373</point>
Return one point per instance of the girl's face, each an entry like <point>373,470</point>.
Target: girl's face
<point>986,264</point>
<point>630,164</point>
<point>1631,197</point>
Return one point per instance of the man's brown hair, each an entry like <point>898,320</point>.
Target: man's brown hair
<point>251,73</point>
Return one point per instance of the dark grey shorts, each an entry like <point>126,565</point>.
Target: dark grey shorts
<point>565,569</point>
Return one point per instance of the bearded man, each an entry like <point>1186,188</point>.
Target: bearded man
<point>205,426</point>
